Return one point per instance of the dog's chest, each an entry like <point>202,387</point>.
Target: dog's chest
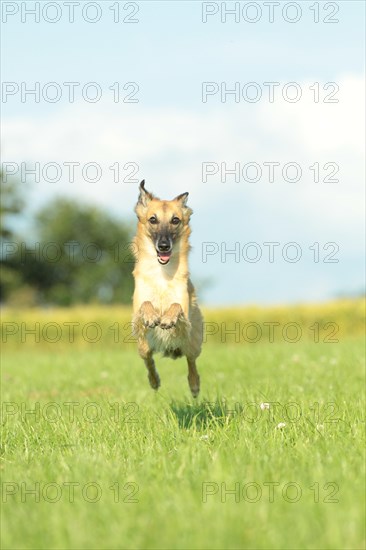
<point>161,291</point>
<point>161,340</point>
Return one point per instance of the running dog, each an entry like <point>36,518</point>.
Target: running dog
<point>166,317</point>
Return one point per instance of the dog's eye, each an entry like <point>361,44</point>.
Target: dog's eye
<point>175,220</point>
<point>153,220</point>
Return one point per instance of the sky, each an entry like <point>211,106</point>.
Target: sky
<point>259,114</point>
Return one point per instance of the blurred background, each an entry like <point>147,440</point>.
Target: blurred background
<point>72,160</point>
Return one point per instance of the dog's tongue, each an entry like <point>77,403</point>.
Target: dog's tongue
<point>164,257</point>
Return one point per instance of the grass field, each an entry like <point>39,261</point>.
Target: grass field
<point>101,461</point>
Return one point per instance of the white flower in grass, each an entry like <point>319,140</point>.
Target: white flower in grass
<point>264,406</point>
<point>281,425</point>
<point>204,437</point>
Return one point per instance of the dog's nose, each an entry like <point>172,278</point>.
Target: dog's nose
<point>164,245</point>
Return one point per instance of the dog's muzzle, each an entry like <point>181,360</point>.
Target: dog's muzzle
<point>164,250</point>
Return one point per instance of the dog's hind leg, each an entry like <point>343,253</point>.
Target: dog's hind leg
<point>152,374</point>
<point>147,356</point>
<point>193,377</point>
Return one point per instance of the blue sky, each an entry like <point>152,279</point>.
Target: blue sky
<point>170,132</point>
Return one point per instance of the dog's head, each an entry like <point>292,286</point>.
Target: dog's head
<point>164,222</point>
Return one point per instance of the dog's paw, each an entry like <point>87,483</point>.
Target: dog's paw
<point>167,322</point>
<point>151,321</point>
<point>154,380</point>
<point>171,316</point>
<point>148,315</point>
<point>195,392</point>
<point>194,384</point>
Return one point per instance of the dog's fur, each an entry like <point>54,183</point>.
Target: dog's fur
<point>166,316</point>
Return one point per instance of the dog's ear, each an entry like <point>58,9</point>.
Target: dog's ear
<point>144,197</point>
<point>182,198</point>
<point>143,201</point>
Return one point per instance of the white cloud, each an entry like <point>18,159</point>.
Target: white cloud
<point>323,127</point>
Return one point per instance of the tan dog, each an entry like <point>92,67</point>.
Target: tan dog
<point>166,317</point>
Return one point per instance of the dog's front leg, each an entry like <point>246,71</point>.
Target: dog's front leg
<point>148,315</point>
<point>171,315</point>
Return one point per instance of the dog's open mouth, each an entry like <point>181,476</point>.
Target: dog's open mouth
<point>164,257</point>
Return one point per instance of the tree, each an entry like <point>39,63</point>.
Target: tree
<point>82,255</point>
<point>11,205</point>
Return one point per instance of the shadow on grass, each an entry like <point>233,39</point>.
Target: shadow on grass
<point>202,414</point>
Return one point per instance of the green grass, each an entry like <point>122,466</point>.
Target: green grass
<point>163,449</point>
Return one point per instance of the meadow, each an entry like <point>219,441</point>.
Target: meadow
<point>271,454</point>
